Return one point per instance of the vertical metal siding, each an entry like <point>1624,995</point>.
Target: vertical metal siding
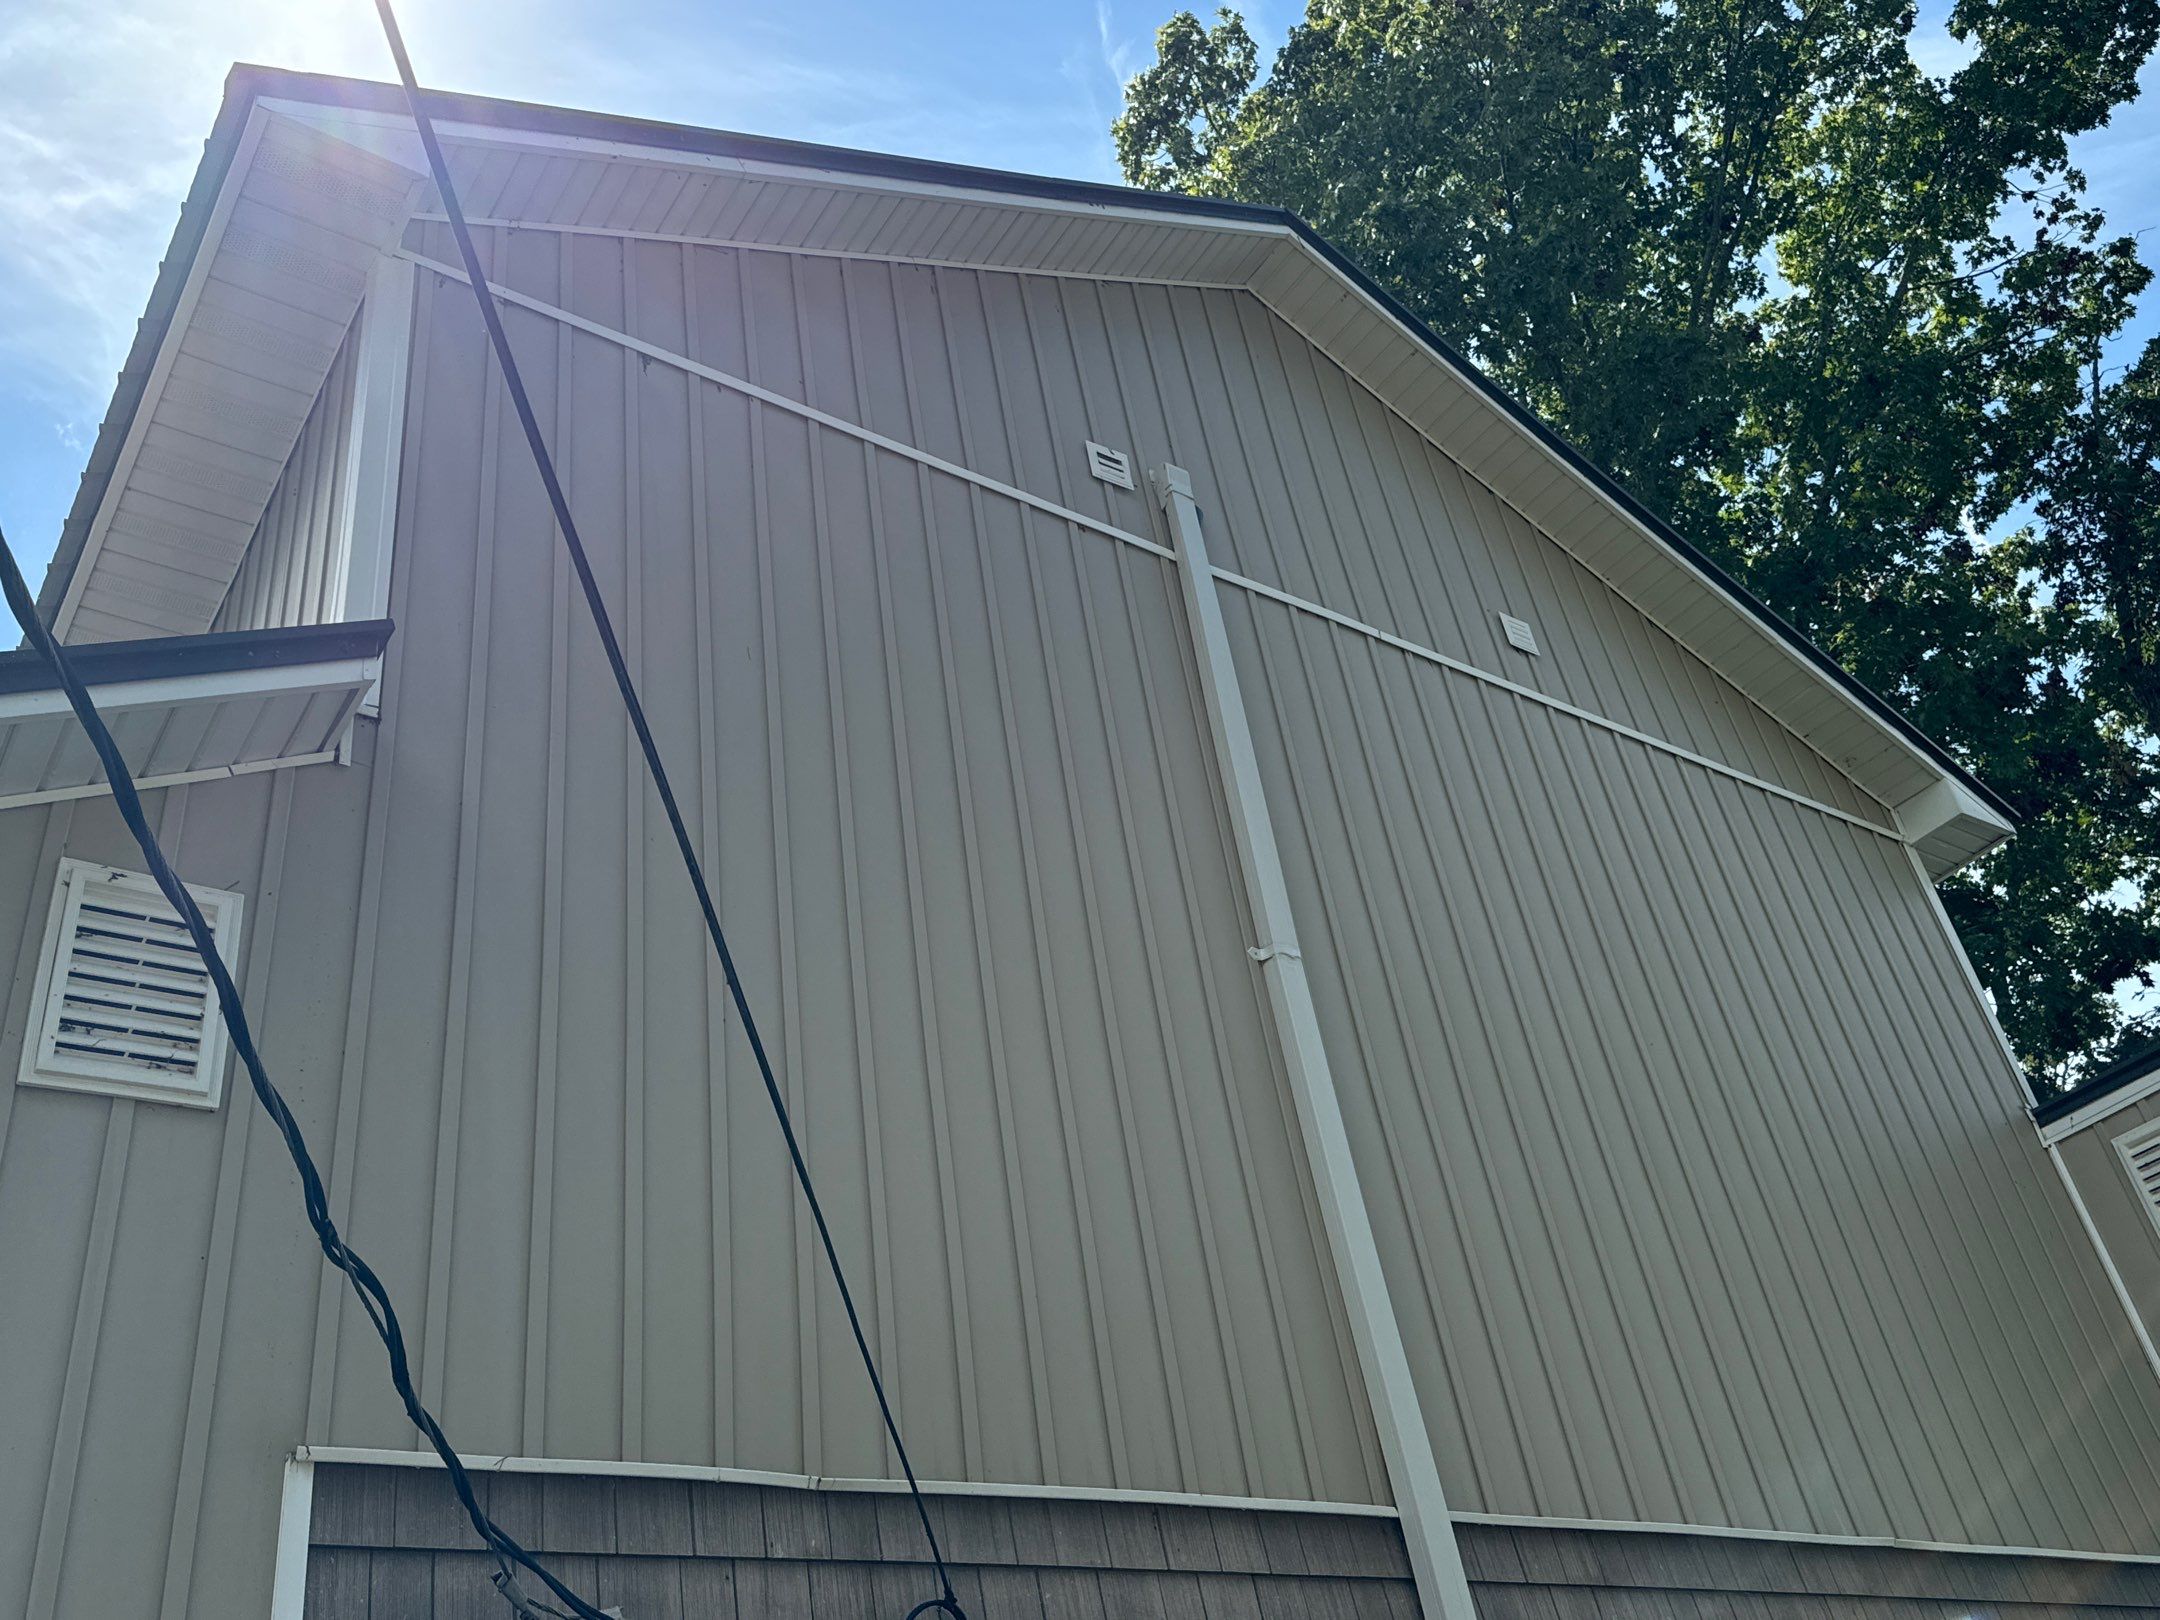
<point>293,571</point>
<point>1387,528</point>
<point>1719,1200</point>
<point>1707,1197</point>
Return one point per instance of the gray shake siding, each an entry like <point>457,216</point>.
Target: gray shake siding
<point>391,1542</point>
<point>1704,1195</point>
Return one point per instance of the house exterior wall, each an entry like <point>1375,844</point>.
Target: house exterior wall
<point>2118,1214</point>
<point>1704,1195</point>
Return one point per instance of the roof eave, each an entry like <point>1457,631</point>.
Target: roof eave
<point>247,84</point>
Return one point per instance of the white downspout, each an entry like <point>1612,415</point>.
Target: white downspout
<point>1405,1443</point>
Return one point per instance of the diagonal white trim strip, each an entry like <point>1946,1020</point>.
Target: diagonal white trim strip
<point>810,413</point>
<point>855,430</point>
<point>2094,1112</point>
<point>1533,695</point>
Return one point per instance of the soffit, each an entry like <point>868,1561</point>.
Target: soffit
<point>270,293</point>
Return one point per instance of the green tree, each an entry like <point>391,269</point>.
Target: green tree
<point>1836,316</point>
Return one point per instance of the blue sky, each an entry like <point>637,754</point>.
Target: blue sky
<point>103,109</point>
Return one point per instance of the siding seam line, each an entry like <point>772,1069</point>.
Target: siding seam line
<point>967,1391</point>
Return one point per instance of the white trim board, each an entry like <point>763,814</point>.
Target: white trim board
<point>698,1472</point>
<point>148,784</point>
<point>995,486</point>
<point>296,1519</point>
<point>375,1457</point>
<point>1805,1538</point>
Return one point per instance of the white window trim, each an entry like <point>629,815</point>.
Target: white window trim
<point>225,929</point>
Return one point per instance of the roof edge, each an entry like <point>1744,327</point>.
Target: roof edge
<point>2117,1076</point>
<point>220,652</point>
<point>248,83</point>
<point>150,333</point>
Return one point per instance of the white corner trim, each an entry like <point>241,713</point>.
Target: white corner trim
<point>375,448</point>
<point>1398,1416</point>
<point>369,1456</point>
<point>160,368</point>
<point>296,1515</point>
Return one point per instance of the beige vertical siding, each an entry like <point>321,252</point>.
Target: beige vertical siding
<point>956,800</point>
<point>1713,1199</point>
<point>1373,521</point>
<point>1707,1196</point>
<point>2113,1201</point>
<point>293,571</point>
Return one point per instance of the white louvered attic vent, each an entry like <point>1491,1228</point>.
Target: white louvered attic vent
<point>124,1004</point>
<point>2140,1150</point>
<point>1111,466</point>
<point>1519,634</point>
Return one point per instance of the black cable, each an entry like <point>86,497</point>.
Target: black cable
<point>374,1298</point>
<point>514,384</point>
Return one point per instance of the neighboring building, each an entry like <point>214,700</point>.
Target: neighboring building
<point>1356,1005</point>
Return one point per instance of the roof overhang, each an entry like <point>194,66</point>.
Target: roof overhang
<point>186,708</point>
<point>545,167</point>
<point>265,273</point>
<point>2126,1081</point>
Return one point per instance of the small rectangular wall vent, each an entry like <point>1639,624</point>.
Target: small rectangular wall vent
<point>1111,466</point>
<point>124,1003</point>
<point>2140,1150</point>
<point>1519,634</point>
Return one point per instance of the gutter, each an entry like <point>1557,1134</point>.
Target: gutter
<point>220,652</point>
